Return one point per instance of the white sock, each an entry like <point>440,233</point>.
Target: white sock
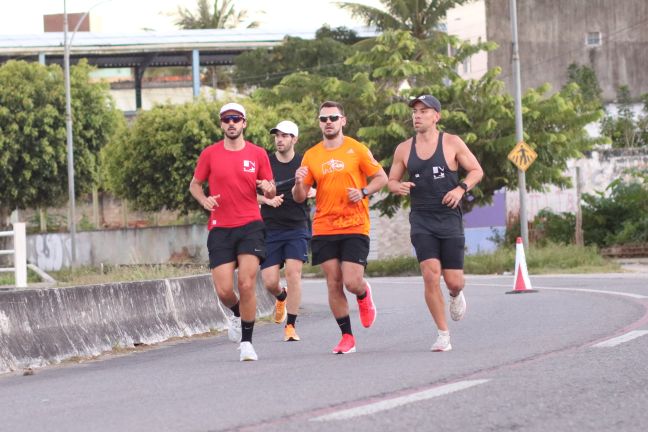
<point>444,332</point>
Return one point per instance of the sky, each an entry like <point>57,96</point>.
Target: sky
<point>26,16</point>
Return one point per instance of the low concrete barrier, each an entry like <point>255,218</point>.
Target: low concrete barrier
<point>46,326</point>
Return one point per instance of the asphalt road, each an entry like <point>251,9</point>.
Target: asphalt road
<point>573,357</point>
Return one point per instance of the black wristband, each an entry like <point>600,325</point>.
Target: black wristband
<point>463,186</point>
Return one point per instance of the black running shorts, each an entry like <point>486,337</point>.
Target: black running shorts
<point>225,244</point>
<point>450,251</point>
<point>345,247</point>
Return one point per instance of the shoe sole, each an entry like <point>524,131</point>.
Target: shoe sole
<point>352,350</point>
<point>291,339</point>
<point>249,359</point>
<point>448,348</point>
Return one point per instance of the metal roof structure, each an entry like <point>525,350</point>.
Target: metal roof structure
<point>144,49</point>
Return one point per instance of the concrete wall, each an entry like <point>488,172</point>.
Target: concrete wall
<point>46,326</point>
<point>152,245</point>
<point>598,170</point>
<point>552,35</point>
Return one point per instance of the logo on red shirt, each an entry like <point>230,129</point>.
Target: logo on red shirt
<point>249,166</point>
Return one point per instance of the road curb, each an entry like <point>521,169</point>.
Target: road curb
<point>39,327</point>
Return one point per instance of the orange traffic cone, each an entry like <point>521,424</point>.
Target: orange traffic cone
<point>521,282</point>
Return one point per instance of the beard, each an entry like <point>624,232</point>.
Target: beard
<point>233,134</point>
<point>331,135</point>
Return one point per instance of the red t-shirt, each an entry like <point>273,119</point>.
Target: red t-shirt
<point>233,176</point>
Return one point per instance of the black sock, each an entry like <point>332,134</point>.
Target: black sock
<point>282,296</point>
<point>362,297</point>
<point>235,309</point>
<point>246,330</point>
<point>292,319</point>
<point>345,324</point>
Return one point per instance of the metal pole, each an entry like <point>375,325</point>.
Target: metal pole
<point>70,147</point>
<point>195,72</point>
<point>578,237</point>
<point>519,129</point>
<point>20,254</point>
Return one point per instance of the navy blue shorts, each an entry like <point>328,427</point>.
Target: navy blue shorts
<point>283,244</point>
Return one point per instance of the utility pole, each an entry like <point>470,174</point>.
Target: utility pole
<point>519,129</point>
<point>70,146</point>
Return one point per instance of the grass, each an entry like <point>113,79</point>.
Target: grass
<point>107,274</point>
<point>540,260</point>
<point>8,278</point>
<point>543,260</point>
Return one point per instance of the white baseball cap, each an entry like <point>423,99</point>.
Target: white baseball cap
<point>286,126</point>
<point>233,106</point>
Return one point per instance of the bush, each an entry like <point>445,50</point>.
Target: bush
<point>553,227</point>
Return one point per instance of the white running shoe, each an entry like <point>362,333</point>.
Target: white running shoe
<point>234,329</point>
<point>442,343</point>
<point>458,306</point>
<point>247,352</point>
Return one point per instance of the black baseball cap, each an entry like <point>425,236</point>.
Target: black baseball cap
<point>427,100</point>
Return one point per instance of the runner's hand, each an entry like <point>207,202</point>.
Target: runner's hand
<point>404,188</point>
<point>210,202</point>
<point>274,202</point>
<point>453,198</point>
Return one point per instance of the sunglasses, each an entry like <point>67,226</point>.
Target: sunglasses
<point>232,118</point>
<point>333,118</point>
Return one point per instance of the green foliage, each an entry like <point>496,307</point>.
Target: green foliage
<point>550,227</point>
<point>547,259</point>
<point>626,129</point>
<point>323,56</point>
<point>585,77</point>
<point>421,18</point>
<point>212,17</point>
<point>618,215</point>
<point>33,134</point>
<point>153,161</point>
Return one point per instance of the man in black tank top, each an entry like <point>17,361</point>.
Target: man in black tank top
<point>432,160</point>
<point>287,230</point>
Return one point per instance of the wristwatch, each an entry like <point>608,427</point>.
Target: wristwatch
<point>463,186</point>
<point>365,192</point>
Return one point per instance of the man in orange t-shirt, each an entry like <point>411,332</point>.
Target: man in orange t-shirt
<point>340,166</point>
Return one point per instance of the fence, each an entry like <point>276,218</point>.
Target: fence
<point>19,253</point>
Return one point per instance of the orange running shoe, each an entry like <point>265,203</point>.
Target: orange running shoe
<point>346,345</point>
<point>290,335</point>
<point>280,311</point>
<point>367,309</point>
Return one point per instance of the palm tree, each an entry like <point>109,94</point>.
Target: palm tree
<point>216,17</point>
<point>221,16</point>
<point>420,17</point>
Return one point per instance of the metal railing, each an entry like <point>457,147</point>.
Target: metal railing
<point>19,253</point>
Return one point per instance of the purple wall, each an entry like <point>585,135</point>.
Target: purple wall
<point>490,215</point>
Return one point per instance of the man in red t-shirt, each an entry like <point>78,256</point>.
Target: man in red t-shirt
<point>234,169</point>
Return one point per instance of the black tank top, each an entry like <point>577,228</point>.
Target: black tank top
<point>290,214</point>
<point>433,179</point>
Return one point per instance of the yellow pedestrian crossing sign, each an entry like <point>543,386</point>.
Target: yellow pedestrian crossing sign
<point>522,155</point>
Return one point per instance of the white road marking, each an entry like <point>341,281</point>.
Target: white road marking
<point>398,401</point>
<point>618,293</point>
<point>621,339</point>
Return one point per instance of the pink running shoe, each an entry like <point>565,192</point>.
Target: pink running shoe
<point>346,345</point>
<point>367,309</point>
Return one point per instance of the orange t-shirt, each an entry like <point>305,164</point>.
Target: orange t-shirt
<point>335,170</point>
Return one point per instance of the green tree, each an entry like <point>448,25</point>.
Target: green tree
<point>325,55</point>
<point>625,129</point>
<point>586,79</point>
<point>33,136</point>
<point>213,16</point>
<point>421,18</point>
<point>618,215</point>
<point>153,162</point>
